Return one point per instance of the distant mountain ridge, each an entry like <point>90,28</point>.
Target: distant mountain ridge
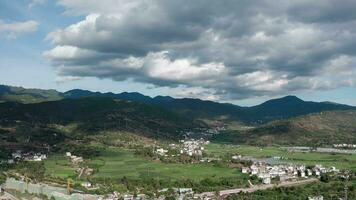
<point>316,129</point>
<point>275,109</point>
<point>53,122</point>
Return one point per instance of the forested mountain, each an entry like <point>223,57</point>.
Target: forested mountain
<point>54,121</point>
<point>275,109</point>
<point>317,129</point>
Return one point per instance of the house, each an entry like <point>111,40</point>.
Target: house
<point>317,173</point>
<point>309,172</point>
<point>284,178</point>
<point>302,174</point>
<point>161,151</point>
<point>316,198</point>
<point>266,180</point>
<point>76,159</point>
<point>17,155</point>
<point>245,170</point>
<point>86,184</point>
<point>128,197</point>
<point>254,170</point>
<point>236,157</point>
<point>185,191</point>
<point>37,158</point>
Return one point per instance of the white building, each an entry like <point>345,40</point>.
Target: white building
<point>316,198</point>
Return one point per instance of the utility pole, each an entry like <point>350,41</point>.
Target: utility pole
<point>27,182</point>
<point>345,192</point>
<point>69,182</point>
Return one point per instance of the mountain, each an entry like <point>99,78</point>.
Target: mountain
<point>48,122</point>
<point>289,106</point>
<point>317,129</point>
<point>275,109</point>
<point>22,95</point>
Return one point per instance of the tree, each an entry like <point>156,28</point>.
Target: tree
<point>2,178</point>
<point>324,178</point>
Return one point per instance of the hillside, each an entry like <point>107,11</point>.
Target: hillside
<point>56,120</point>
<point>275,109</point>
<point>288,107</point>
<point>22,95</point>
<point>318,129</point>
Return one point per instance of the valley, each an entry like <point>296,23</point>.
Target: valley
<point>128,144</point>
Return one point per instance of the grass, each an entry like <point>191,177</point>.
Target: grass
<point>58,166</point>
<point>342,161</point>
<point>117,163</point>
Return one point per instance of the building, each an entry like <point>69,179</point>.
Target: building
<point>245,170</point>
<point>266,180</point>
<point>316,198</point>
<point>161,151</point>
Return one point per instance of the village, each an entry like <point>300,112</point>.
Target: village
<point>266,174</point>
<point>189,147</point>
<point>19,155</point>
<point>345,146</point>
<point>283,173</point>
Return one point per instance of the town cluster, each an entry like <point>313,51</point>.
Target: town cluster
<point>27,156</point>
<point>75,160</point>
<point>268,172</point>
<point>193,147</point>
<point>215,130</point>
<point>345,146</point>
<point>81,170</point>
<point>190,147</point>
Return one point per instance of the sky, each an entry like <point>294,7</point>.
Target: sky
<point>238,51</point>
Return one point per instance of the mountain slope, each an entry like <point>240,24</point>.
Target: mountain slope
<point>289,106</point>
<point>320,129</point>
<point>39,122</point>
<point>275,109</point>
<point>22,95</point>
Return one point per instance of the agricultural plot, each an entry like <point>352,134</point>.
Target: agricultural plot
<point>342,161</point>
<point>117,163</point>
<point>58,166</point>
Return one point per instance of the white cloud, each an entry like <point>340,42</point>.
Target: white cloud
<point>228,48</point>
<point>13,29</point>
<point>36,3</point>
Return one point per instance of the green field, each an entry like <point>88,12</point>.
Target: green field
<point>342,161</point>
<point>117,163</point>
<point>58,166</point>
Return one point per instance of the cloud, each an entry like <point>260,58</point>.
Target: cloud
<point>13,29</point>
<point>36,3</point>
<point>232,49</point>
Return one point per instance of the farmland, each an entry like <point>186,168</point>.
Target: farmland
<point>117,163</point>
<point>342,161</point>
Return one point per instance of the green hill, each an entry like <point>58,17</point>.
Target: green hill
<point>22,95</point>
<point>274,109</point>
<point>54,121</point>
<point>318,129</point>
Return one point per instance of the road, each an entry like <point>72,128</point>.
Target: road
<point>257,187</point>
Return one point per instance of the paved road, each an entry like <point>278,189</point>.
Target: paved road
<point>258,187</point>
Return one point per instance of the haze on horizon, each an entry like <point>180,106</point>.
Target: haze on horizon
<point>237,51</point>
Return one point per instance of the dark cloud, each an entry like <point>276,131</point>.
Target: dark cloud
<point>228,48</point>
